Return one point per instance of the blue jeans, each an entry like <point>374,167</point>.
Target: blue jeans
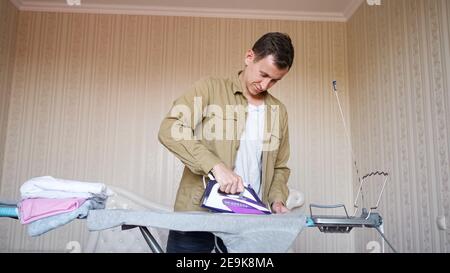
<point>194,242</point>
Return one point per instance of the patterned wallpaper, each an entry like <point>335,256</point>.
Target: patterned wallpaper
<point>89,92</point>
<point>399,71</point>
<point>8,29</point>
<point>86,94</point>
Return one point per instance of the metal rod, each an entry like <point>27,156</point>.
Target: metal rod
<point>343,120</point>
<point>385,239</point>
<point>347,133</point>
<point>151,241</point>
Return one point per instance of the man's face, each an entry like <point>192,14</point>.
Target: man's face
<point>261,75</point>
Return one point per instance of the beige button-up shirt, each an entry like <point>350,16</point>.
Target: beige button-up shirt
<point>203,128</point>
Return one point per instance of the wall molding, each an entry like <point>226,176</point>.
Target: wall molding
<point>352,8</point>
<point>25,5</point>
<point>16,3</point>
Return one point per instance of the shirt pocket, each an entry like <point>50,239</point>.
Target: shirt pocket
<point>219,126</point>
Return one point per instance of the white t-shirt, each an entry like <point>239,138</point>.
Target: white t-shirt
<point>249,156</point>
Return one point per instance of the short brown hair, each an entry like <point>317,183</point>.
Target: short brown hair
<point>277,44</point>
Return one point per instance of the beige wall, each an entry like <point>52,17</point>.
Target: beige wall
<point>86,93</point>
<point>399,75</point>
<point>89,92</point>
<point>9,16</point>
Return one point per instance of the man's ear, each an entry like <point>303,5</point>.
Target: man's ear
<point>249,57</point>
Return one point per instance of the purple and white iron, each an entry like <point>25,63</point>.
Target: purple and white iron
<point>246,202</point>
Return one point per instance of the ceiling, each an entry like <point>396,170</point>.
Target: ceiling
<point>317,10</point>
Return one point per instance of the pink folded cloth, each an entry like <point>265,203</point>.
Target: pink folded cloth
<point>33,209</point>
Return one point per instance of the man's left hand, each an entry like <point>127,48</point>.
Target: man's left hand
<point>278,207</point>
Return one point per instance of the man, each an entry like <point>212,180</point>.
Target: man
<point>252,150</point>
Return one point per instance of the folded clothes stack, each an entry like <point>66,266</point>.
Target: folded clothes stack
<point>48,203</point>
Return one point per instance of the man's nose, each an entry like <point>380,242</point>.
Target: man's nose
<point>265,84</point>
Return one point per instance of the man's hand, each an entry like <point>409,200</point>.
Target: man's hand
<point>229,181</point>
<point>278,207</point>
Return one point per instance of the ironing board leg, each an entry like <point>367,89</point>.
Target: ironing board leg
<point>151,241</point>
<point>384,238</point>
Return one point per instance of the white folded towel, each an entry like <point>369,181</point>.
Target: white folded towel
<point>50,187</point>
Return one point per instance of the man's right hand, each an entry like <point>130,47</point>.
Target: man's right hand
<point>228,180</point>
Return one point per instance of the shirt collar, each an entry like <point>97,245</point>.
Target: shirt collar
<point>237,87</point>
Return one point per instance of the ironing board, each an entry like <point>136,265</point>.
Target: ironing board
<point>295,222</point>
<point>240,233</point>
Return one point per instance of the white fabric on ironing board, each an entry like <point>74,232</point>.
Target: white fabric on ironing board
<point>240,233</point>
<point>50,187</point>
